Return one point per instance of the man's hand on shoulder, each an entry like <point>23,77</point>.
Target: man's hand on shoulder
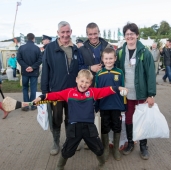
<point>95,68</point>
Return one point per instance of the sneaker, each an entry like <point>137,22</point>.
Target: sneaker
<point>25,109</point>
<point>33,108</point>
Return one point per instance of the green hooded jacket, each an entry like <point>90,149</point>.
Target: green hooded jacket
<point>145,78</point>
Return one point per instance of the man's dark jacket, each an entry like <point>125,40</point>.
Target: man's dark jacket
<point>29,55</point>
<point>87,54</point>
<point>57,75</point>
<point>167,56</point>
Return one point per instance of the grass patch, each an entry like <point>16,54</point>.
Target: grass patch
<point>13,86</point>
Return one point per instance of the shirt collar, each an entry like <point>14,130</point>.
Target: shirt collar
<point>70,43</point>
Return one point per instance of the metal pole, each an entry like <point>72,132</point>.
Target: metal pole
<point>14,21</point>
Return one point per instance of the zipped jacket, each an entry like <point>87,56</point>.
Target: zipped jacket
<point>29,55</point>
<point>56,73</point>
<point>167,57</point>
<point>81,104</point>
<point>145,77</point>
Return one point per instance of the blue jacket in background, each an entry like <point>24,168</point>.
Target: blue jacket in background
<point>12,62</point>
<point>29,55</point>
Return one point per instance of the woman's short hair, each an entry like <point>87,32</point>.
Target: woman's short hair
<point>131,26</point>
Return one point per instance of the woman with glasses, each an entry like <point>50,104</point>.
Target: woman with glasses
<point>137,63</point>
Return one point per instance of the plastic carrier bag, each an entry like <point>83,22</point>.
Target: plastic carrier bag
<point>149,123</point>
<point>97,122</point>
<point>42,116</point>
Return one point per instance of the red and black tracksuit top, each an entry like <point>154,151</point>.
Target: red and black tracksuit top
<point>81,104</point>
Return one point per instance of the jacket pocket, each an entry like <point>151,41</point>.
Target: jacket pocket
<point>92,130</point>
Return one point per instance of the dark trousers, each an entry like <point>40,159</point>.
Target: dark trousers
<point>78,131</point>
<point>111,119</point>
<point>57,111</point>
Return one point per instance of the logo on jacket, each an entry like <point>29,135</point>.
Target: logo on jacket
<point>75,57</point>
<point>116,77</point>
<point>74,94</point>
<point>87,94</point>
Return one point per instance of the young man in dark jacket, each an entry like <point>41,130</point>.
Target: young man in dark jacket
<point>59,70</point>
<point>29,57</point>
<point>138,67</point>
<point>93,48</point>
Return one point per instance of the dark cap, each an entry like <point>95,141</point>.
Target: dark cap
<point>44,37</point>
<point>79,41</point>
<point>169,39</point>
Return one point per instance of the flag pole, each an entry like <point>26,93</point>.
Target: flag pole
<point>15,20</point>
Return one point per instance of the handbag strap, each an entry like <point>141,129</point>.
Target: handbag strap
<point>2,93</point>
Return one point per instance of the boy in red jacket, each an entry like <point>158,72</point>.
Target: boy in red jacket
<point>81,116</point>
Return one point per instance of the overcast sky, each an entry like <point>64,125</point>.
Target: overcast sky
<point>41,17</point>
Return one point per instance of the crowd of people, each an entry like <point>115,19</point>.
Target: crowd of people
<point>89,77</point>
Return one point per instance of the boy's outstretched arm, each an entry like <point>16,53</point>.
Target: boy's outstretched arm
<point>53,96</point>
<point>106,91</point>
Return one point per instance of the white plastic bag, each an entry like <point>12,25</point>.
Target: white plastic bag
<point>42,116</point>
<point>97,122</point>
<point>149,123</point>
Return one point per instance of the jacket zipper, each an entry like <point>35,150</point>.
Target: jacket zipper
<point>67,63</point>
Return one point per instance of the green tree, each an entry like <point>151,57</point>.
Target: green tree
<point>164,28</point>
<point>147,32</point>
<point>155,27</point>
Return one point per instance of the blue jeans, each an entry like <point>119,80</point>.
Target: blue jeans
<point>33,88</point>
<point>14,72</point>
<point>167,73</point>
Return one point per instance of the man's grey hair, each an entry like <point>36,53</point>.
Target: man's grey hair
<point>63,24</point>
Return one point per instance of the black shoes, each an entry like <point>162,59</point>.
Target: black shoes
<point>33,108</point>
<point>25,109</point>
<point>144,149</point>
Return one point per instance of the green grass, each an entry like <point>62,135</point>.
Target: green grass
<point>13,86</point>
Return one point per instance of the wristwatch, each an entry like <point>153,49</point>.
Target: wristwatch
<point>151,96</point>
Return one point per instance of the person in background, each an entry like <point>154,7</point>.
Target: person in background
<point>5,113</point>
<point>29,57</point>
<point>79,43</point>
<point>45,41</point>
<point>110,107</point>
<point>138,67</point>
<point>156,56</point>
<point>12,62</point>
<point>166,53</point>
